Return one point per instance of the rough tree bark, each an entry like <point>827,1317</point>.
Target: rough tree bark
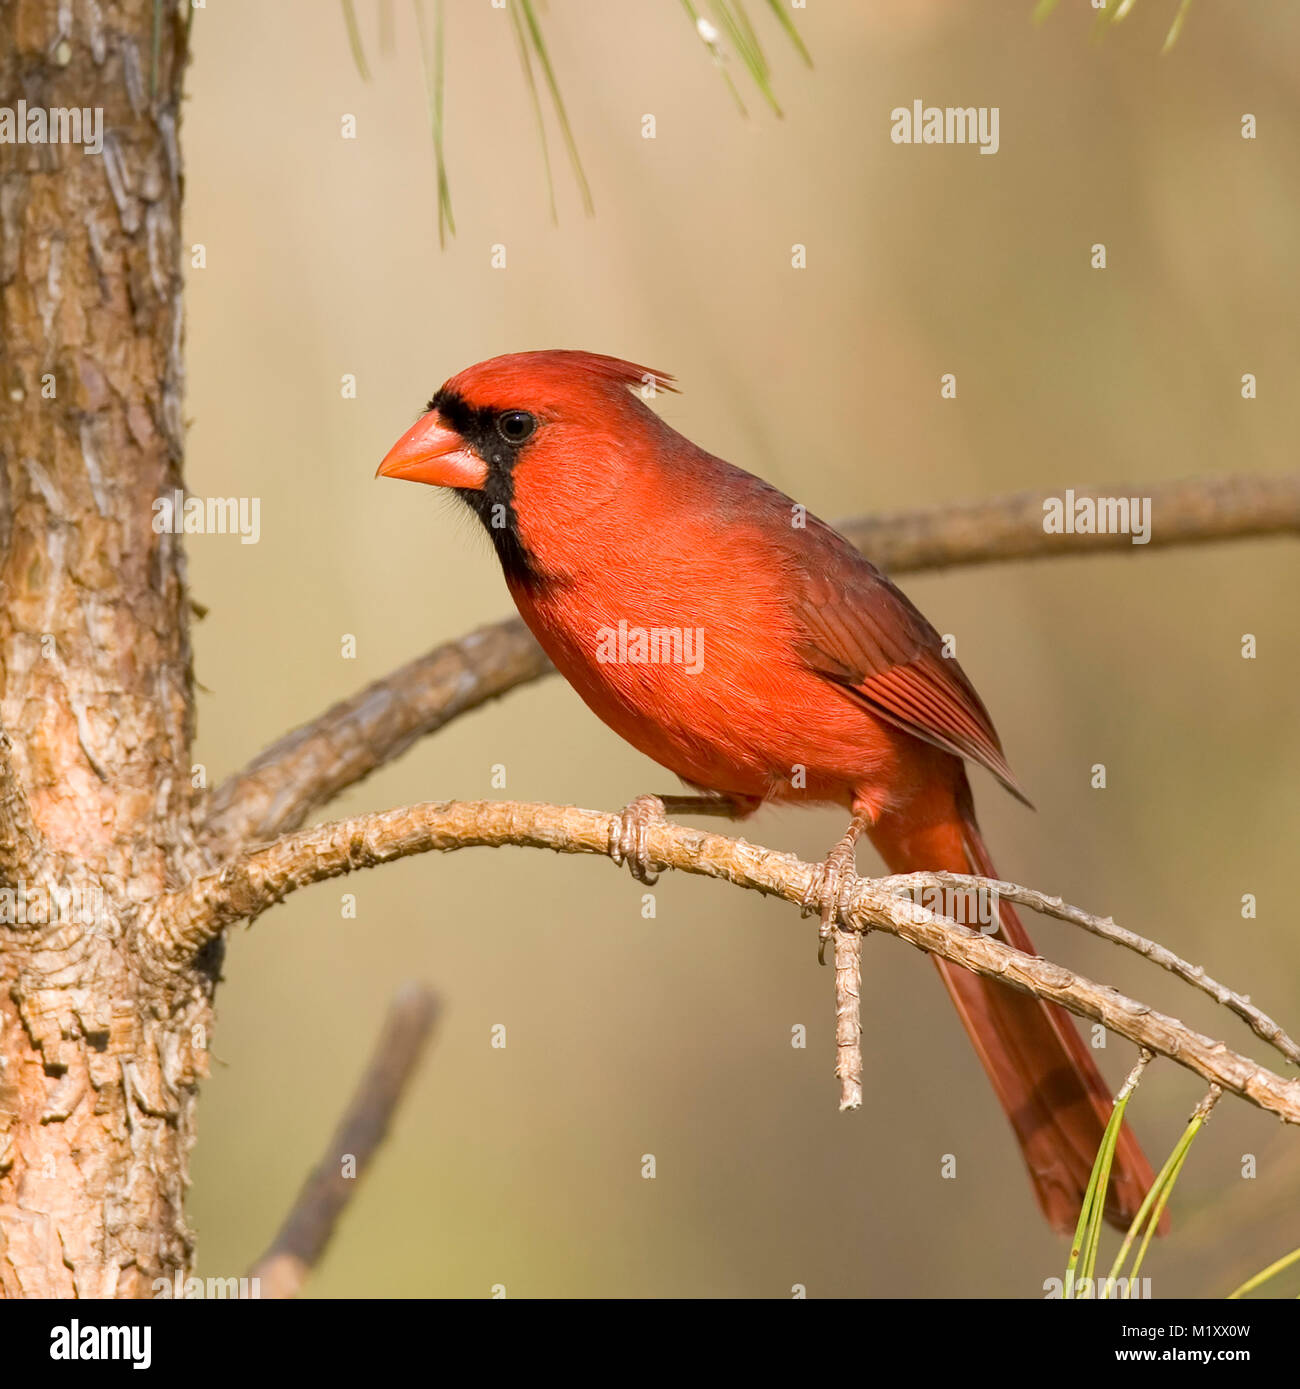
<point>101,1047</point>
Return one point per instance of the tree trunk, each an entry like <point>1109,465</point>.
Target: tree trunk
<point>101,1042</point>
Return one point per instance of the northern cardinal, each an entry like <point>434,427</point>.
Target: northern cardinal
<point>806,676</point>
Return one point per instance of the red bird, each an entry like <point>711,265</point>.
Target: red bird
<point>803,675</point>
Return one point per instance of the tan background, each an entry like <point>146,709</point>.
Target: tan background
<point>522,1167</point>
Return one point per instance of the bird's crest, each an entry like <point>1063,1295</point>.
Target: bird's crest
<point>518,374</point>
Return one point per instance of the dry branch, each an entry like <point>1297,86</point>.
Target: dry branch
<point>1259,1022</point>
<point>848,1016</point>
<point>309,766</point>
<point>183,922</point>
<point>307,1229</point>
<point>1186,512</point>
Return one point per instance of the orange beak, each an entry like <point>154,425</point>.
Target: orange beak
<point>430,452</point>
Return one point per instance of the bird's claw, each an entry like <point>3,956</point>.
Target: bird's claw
<point>627,837</point>
<point>829,894</point>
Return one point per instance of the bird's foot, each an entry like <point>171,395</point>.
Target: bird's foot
<point>831,889</point>
<point>627,837</point>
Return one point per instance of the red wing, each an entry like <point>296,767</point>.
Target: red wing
<point>864,634</point>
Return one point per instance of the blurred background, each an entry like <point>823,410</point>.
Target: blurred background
<point>522,1166</point>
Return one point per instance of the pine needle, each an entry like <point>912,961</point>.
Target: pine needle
<point>539,49</point>
<point>1176,27</point>
<point>738,30</point>
<point>1154,1202</point>
<point>354,39</point>
<point>1107,16</point>
<point>434,72</point>
<point>1113,11</point>
<point>1164,1187</point>
<point>1264,1275</point>
<point>745,26</point>
<point>786,23</point>
<point>708,35</point>
<point>1082,1265</point>
<point>521,39</point>
<point>733,21</point>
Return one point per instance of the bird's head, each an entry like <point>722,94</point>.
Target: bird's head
<point>549,434</point>
<point>484,420</point>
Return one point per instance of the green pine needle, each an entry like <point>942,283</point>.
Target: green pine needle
<point>786,23</point>
<point>734,23</point>
<point>521,39</point>
<point>1164,1187</point>
<point>1106,16</point>
<point>1264,1275</point>
<point>1112,12</point>
<point>1082,1265</point>
<point>354,39</point>
<point>434,72</point>
<point>539,50</point>
<point>745,27</point>
<point>1176,27</point>
<point>715,52</point>
<point>746,50</point>
<point>1154,1202</point>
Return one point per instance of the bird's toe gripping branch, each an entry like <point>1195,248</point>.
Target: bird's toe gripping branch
<point>832,887</point>
<point>627,837</point>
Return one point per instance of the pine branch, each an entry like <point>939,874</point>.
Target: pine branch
<point>183,922</point>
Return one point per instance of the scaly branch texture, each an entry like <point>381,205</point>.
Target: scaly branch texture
<point>185,921</point>
<point>307,768</point>
<point>1259,1022</point>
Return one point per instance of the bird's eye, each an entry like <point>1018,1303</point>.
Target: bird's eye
<point>515,426</point>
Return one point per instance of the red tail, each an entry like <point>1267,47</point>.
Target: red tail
<point>1040,1067</point>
